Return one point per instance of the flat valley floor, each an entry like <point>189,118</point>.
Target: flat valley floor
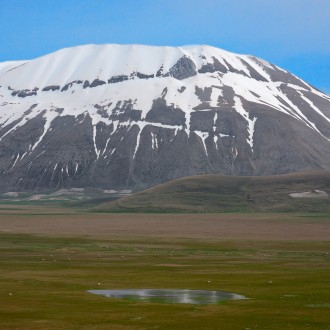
<point>51,256</point>
<point>223,226</point>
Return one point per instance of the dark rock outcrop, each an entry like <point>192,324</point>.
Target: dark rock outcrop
<point>183,69</point>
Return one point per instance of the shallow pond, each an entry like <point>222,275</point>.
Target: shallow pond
<point>198,297</point>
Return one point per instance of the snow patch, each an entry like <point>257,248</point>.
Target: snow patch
<point>215,139</point>
<point>311,104</point>
<point>251,122</point>
<point>310,194</point>
<point>203,136</point>
<point>154,141</point>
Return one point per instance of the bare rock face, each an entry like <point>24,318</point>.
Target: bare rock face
<point>183,68</point>
<point>136,116</point>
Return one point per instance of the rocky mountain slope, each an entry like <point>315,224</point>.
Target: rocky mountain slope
<point>132,116</point>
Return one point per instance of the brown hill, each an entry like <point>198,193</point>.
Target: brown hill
<point>218,193</point>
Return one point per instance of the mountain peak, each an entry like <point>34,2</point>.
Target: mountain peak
<point>104,61</point>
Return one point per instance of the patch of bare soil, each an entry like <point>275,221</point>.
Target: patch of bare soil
<point>204,226</point>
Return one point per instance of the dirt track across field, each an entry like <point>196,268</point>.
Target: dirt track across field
<point>203,226</point>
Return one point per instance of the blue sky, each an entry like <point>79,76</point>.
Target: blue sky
<point>294,34</point>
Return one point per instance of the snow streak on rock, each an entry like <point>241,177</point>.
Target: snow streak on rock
<point>203,136</point>
<point>251,122</point>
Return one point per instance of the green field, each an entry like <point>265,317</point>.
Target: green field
<point>43,282</point>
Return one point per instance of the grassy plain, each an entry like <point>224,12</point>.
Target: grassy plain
<point>50,256</point>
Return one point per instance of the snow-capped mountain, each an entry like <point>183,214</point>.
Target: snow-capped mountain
<point>132,116</point>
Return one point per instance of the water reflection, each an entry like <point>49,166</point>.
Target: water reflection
<point>199,297</point>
